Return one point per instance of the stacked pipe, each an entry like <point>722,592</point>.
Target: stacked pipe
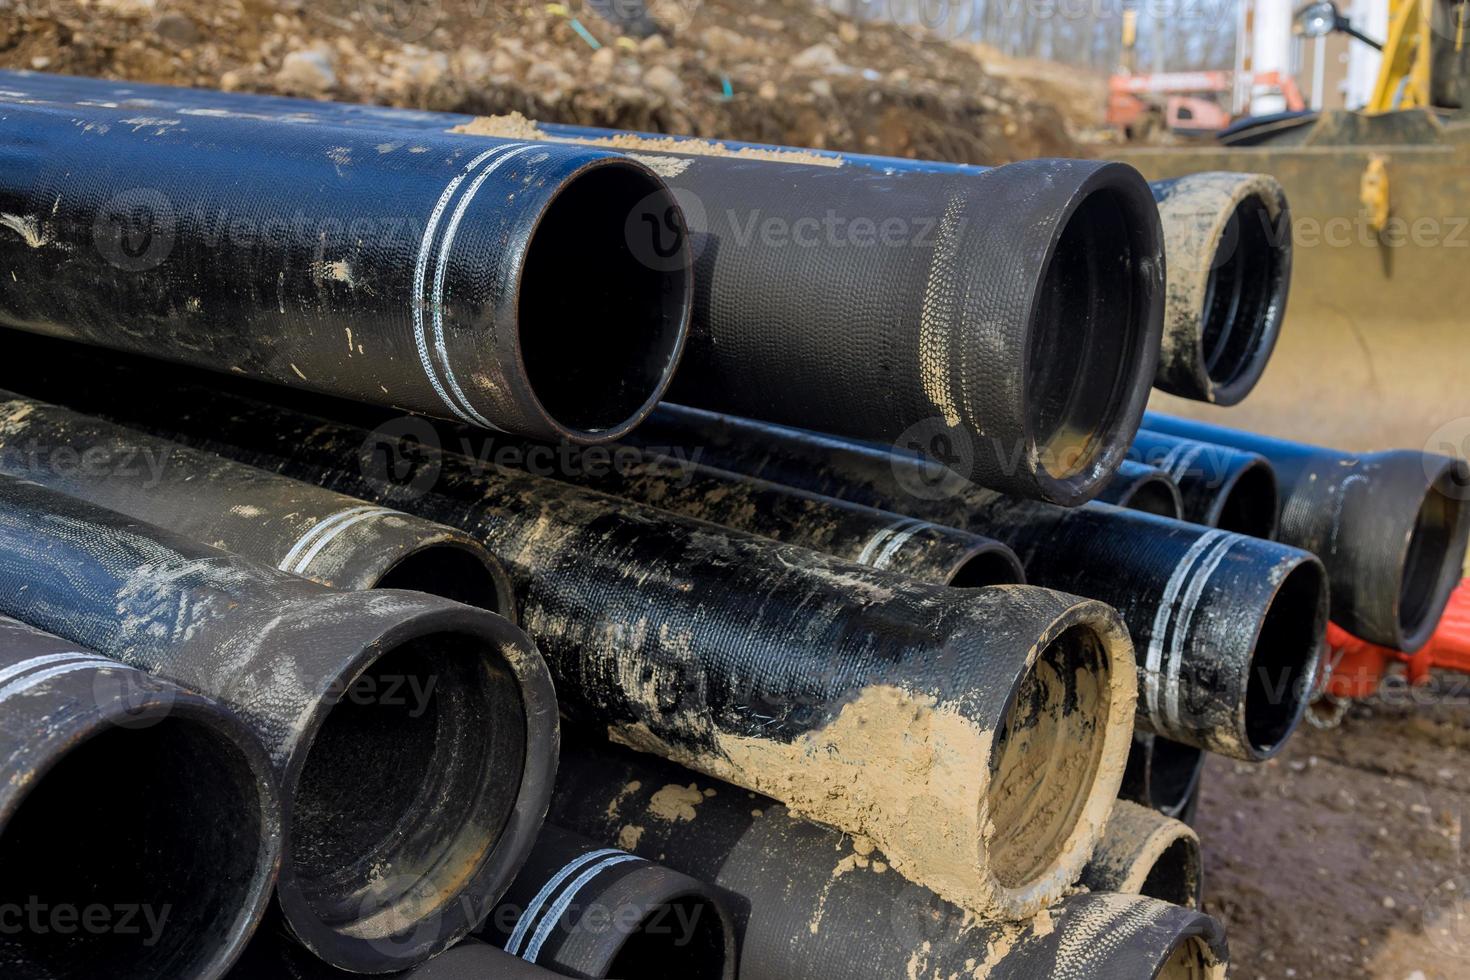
<point>798,597</point>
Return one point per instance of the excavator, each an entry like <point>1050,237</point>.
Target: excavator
<point>1376,335</point>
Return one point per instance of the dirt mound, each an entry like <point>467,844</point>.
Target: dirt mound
<point>785,71</point>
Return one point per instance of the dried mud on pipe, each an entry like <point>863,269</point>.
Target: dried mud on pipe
<point>696,633</point>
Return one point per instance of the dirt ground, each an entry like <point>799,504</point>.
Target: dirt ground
<point>1344,856</point>
<point>786,71</point>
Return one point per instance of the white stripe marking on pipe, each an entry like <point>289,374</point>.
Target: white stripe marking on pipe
<point>319,527</point>
<point>1188,604</point>
<point>528,917</point>
<point>1178,471</point>
<point>554,914</point>
<point>877,540</point>
<point>330,535</point>
<point>15,670</point>
<point>898,541</point>
<point>441,264</point>
<point>420,270</point>
<point>31,680</point>
<point>1162,616</point>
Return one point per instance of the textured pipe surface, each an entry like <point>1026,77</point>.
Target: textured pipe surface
<point>1219,486</point>
<point>1162,774</point>
<point>414,738</point>
<point>274,955</point>
<point>1228,629</point>
<point>328,537</point>
<point>878,539</point>
<point>941,295</point>
<point>121,791</point>
<point>585,910</point>
<point>740,655</point>
<point>1147,853</point>
<point>1227,237</point>
<point>811,902</point>
<point>1391,527</point>
<point>247,245</point>
<point>1138,486</point>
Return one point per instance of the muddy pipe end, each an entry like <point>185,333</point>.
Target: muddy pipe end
<point>1068,281</point>
<point>414,790</point>
<point>188,837</point>
<point>603,302</point>
<point>1228,243</point>
<point>1147,853</point>
<point>1057,745</point>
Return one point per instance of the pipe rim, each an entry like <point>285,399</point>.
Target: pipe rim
<point>1065,847</point>
<point>1124,335</point>
<point>670,344</point>
<point>1192,958</point>
<point>1249,501</point>
<point>469,892</point>
<point>1228,364</point>
<point>621,955</point>
<point>987,563</point>
<point>1156,494</point>
<point>1180,759</point>
<point>454,568</point>
<point>1430,569</point>
<point>1263,727</point>
<point>165,704</point>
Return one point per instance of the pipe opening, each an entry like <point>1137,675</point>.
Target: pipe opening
<point>1154,495</point>
<point>1174,770</point>
<point>452,571</point>
<point>1243,296</point>
<point>404,791</point>
<point>1087,337</point>
<point>683,937</point>
<point>1175,875</point>
<point>996,565</point>
<point>1432,561</point>
<point>1045,762</point>
<point>136,855</point>
<point>601,323</point>
<point>1192,959</point>
<point>1250,505</point>
<point>1284,660</point>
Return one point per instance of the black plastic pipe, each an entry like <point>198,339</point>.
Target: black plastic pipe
<point>128,804</point>
<point>1144,852</point>
<point>584,910</point>
<point>1145,488</point>
<point>414,737</point>
<point>1023,302</point>
<point>330,538</point>
<point>1391,527</point>
<point>1162,774</point>
<point>815,903</point>
<point>489,281</point>
<point>1219,486</point>
<point>1228,629</point>
<point>767,664</point>
<point>902,545</point>
<point>1227,237</point>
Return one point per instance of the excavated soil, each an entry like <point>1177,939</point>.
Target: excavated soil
<point>1343,857</point>
<point>785,71</point>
